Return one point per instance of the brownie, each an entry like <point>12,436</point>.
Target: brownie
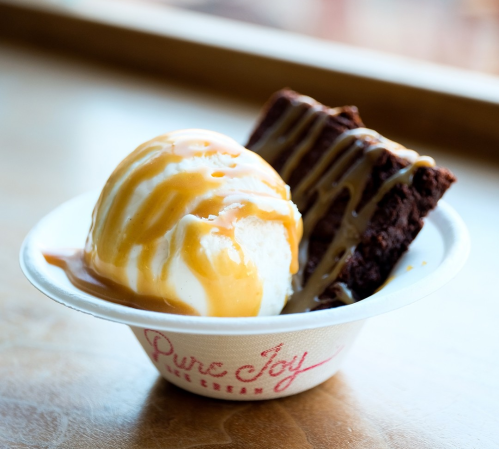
<point>321,153</point>
<point>338,120</point>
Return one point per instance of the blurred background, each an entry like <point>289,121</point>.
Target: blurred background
<point>462,33</point>
<point>84,82</point>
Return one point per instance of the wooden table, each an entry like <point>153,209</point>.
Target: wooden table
<point>425,376</point>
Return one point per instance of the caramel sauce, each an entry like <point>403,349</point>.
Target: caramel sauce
<point>82,277</point>
<point>133,226</point>
<point>350,170</point>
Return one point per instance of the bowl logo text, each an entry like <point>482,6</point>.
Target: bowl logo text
<point>186,367</point>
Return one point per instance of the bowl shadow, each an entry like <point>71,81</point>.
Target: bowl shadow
<point>325,416</point>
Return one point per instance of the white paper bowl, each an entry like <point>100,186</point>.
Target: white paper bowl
<point>247,358</point>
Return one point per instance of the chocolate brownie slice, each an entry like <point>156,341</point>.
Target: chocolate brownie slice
<point>363,197</point>
<point>301,114</point>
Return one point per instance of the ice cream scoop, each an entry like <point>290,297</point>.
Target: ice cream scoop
<point>194,221</point>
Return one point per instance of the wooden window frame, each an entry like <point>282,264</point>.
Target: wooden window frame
<point>406,98</point>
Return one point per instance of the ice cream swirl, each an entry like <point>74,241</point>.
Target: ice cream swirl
<point>192,222</point>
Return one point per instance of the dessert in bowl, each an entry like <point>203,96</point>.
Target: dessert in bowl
<point>362,198</point>
<point>191,223</point>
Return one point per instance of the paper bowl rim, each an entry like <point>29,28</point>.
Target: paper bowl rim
<point>456,250</point>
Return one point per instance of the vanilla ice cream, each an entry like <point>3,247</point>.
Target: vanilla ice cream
<point>194,221</point>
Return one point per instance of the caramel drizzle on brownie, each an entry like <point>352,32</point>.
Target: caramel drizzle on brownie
<point>345,165</point>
